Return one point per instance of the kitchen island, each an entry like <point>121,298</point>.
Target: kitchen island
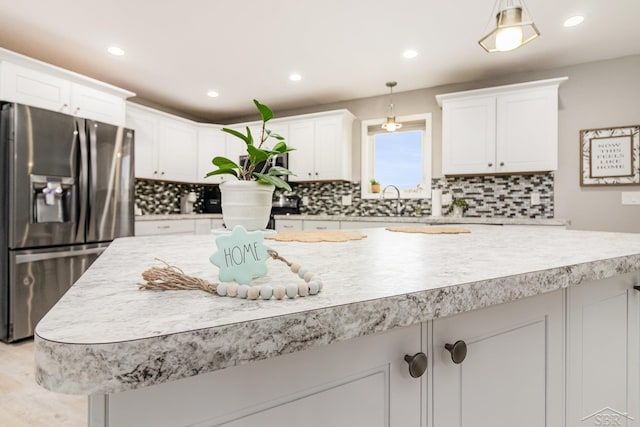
<point>236,362</point>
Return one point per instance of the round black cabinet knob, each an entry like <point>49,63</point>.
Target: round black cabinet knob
<point>458,351</point>
<point>417,364</point>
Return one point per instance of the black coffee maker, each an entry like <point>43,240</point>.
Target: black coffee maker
<point>212,202</point>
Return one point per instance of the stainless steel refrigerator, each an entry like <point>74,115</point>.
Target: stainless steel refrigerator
<point>67,190</point>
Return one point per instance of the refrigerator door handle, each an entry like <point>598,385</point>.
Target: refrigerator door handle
<point>82,181</point>
<point>21,259</point>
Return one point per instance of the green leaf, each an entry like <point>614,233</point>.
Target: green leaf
<point>237,134</point>
<point>281,148</point>
<point>279,170</point>
<point>265,111</point>
<point>222,172</point>
<point>257,155</point>
<point>224,163</point>
<point>269,179</point>
<point>274,135</point>
<point>249,137</point>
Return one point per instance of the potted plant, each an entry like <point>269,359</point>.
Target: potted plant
<point>375,186</point>
<point>246,200</point>
<point>459,206</point>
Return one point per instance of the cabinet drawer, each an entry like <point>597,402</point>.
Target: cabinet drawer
<point>321,225</point>
<point>147,228</point>
<point>288,225</point>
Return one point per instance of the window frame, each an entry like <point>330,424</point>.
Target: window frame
<point>367,157</point>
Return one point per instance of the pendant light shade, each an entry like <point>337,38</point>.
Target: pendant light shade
<point>391,125</point>
<point>510,27</point>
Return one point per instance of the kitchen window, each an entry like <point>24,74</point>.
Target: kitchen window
<point>401,158</point>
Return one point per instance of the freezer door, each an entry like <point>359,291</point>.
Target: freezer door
<point>38,279</point>
<point>45,178</point>
<point>111,188</point>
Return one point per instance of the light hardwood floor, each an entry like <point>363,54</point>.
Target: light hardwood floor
<point>23,403</point>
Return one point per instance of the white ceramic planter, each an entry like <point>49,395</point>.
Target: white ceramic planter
<point>246,203</point>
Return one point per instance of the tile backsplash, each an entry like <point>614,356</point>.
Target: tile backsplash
<point>488,196</point>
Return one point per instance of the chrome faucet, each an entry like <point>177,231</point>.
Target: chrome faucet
<point>397,198</point>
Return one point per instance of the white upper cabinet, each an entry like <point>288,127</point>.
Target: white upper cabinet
<point>35,83</point>
<point>211,143</point>
<point>178,150</point>
<point>166,148</point>
<point>323,147</point>
<point>506,129</point>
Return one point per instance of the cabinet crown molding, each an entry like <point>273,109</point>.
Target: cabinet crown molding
<point>500,89</point>
<point>37,65</point>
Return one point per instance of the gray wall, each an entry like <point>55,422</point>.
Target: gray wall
<point>599,94</point>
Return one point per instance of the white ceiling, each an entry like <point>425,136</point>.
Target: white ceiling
<point>176,51</point>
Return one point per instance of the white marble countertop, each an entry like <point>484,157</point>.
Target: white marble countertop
<point>160,217</point>
<point>430,220</point>
<point>408,219</point>
<point>105,335</point>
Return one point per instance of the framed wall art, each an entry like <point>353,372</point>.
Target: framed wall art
<point>610,156</point>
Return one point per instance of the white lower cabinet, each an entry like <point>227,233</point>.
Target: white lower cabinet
<point>513,371</point>
<point>360,382</point>
<point>565,358</point>
<point>177,226</point>
<point>603,387</point>
<point>171,226</point>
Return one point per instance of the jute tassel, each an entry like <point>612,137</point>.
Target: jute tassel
<point>172,278</point>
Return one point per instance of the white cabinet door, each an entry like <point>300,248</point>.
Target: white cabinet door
<point>602,353</point>
<point>469,136</point>
<point>504,129</point>
<point>323,147</point>
<point>235,147</point>
<point>330,152</point>
<point>527,132</point>
<point>211,143</point>
<point>145,126</point>
<point>97,105</point>
<point>301,137</point>
<point>39,89</point>
<point>513,372</point>
<point>178,144</point>
<point>360,382</point>
<point>26,86</point>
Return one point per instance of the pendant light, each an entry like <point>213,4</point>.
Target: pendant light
<point>513,27</point>
<point>391,125</point>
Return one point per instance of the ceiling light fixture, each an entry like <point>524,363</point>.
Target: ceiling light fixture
<point>410,53</point>
<point>390,125</point>
<point>213,94</point>
<point>513,28</point>
<point>574,20</point>
<point>295,77</point>
<point>115,50</point>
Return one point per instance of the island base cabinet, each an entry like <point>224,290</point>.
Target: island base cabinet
<point>359,382</point>
<point>512,374</point>
<point>602,353</point>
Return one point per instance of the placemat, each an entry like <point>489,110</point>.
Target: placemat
<point>316,236</point>
<point>429,230</point>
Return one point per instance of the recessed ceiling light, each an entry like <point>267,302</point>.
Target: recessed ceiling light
<point>295,77</point>
<point>573,21</point>
<point>213,94</point>
<point>410,53</point>
<point>115,50</point>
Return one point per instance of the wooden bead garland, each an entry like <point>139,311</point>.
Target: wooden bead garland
<point>311,285</point>
<point>172,278</point>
